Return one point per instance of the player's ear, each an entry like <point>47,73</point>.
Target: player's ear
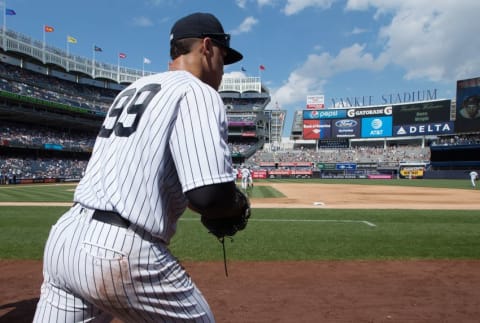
<point>207,45</point>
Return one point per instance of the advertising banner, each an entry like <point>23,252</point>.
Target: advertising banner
<point>259,174</point>
<point>316,129</point>
<point>316,101</point>
<point>439,128</point>
<point>370,112</point>
<point>346,166</point>
<point>346,128</point>
<point>285,172</point>
<point>324,114</point>
<point>468,105</point>
<point>422,113</point>
<point>375,127</point>
<point>411,171</point>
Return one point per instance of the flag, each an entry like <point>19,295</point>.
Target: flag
<point>262,68</point>
<point>122,55</point>
<point>72,40</point>
<point>243,69</point>
<point>48,29</point>
<point>146,61</point>
<point>10,12</point>
<point>97,49</point>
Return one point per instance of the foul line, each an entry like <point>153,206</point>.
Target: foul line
<point>370,224</point>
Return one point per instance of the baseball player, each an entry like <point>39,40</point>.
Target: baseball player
<point>250,178</point>
<point>161,148</point>
<point>245,176</point>
<point>473,178</point>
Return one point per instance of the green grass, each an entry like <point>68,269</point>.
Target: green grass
<point>274,234</point>
<point>36,193</point>
<point>321,234</point>
<point>287,234</point>
<point>24,230</point>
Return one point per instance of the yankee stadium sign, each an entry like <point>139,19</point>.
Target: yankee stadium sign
<point>392,98</point>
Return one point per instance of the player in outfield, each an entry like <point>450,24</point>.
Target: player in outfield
<point>162,147</point>
<point>473,178</point>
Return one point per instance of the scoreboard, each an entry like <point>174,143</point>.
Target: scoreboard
<point>412,119</point>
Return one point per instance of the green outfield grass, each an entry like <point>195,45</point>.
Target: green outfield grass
<point>272,234</point>
<point>37,193</point>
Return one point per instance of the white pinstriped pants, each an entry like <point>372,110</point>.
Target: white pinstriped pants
<point>93,271</point>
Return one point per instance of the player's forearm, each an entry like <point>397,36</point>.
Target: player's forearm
<point>215,201</point>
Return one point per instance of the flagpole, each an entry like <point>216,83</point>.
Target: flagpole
<point>118,67</point>
<point>4,23</point>
<point>143,67</point>
<point>43,52</point>
<point>68,54</point>
<point>4,16</point>
<point>93,61</point>
<point>68,47</point>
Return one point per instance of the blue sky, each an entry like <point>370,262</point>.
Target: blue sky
<point>339,48</point>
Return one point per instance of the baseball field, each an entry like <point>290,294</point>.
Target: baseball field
<point>314,251</point>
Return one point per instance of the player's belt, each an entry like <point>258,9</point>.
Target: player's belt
<point>110,217</point>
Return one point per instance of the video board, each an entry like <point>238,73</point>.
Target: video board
<point>468,105</point>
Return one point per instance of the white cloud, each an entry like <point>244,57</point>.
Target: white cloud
<point>313,74</point>
<point>235,74</point>
<point>142,22</point>
<point>294,6</point>
<point>435,42</point>
<point>432,41</point>
<point>245,26</point>
<point>241,3</point>
<point>262,3</point>
<point>358,31</point>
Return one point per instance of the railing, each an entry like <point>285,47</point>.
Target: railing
<point>16,42</point>
<point>241,84</point>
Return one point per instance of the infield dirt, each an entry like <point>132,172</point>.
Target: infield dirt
<point>315,291</point>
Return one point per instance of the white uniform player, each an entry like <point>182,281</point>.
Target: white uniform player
<point>164,137</point>
<point>473,178</point>
<point>245,176</point>
<point>250,178</point>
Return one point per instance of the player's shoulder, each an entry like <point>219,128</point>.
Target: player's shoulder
<point>174,78</point>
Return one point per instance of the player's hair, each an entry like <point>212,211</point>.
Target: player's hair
<point>181,47</point>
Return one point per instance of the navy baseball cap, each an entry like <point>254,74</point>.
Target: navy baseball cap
<point>201,25</point>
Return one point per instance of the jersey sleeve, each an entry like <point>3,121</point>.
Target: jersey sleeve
<point>199,139</point>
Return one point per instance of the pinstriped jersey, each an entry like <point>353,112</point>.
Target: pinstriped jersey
<point>164,134</point>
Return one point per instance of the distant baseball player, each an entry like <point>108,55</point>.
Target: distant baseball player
<point>250,178</point>
<point>161,147</point>
<point>473,178</point>
<point>245,177</point>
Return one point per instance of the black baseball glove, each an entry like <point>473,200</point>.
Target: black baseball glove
<point>228,226</point>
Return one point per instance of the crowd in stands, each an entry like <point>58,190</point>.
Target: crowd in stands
<point>23,82</point>
<point>466,139</point>
<point>73,169</point>
<point>12,169</point>
<point>240,148</point>
<point>18,135</point>
<point>359,154</point>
